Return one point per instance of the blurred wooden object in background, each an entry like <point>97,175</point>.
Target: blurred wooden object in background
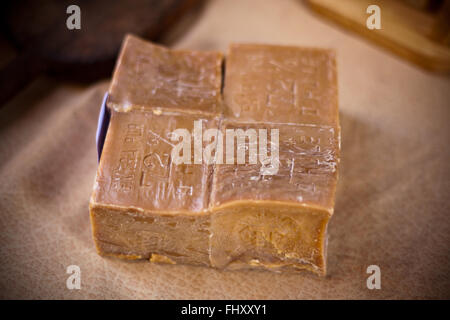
<point>424,4</point>
<point>417,30</point>
<point>441,29</point>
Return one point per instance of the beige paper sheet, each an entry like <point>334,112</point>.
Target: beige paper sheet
<point>392,209</point>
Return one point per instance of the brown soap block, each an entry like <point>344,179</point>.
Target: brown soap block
<point>149,75</point>
<point>143,203</point>
<point>266,200</point>
<point>281,84</point>
<point>278,220</point>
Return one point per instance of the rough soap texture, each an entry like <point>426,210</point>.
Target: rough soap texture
<point>225,215</point>
<point>278,221</point>
<point>281,84</point>
<point>142,202</point>
<point>151,76</point>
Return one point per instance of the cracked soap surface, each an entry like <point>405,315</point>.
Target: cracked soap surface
<point>221,215</point>
<point>152,76</point>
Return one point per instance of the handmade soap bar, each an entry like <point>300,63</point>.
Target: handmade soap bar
<point>144,206</point>
<point>148,75</point>
<point>281,84</point>
<point>143,203</point>
<point>278,221</point>
<point>266,198</point>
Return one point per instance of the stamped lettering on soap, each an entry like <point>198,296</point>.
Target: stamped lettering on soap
<point>295,88</point>
<point>124,175</point>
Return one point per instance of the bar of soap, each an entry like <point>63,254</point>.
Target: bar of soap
<point>276,221</point>
<point>143,203</point>
<point>149,75</point>
<point>281,84</point>
<point>270,212</point>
